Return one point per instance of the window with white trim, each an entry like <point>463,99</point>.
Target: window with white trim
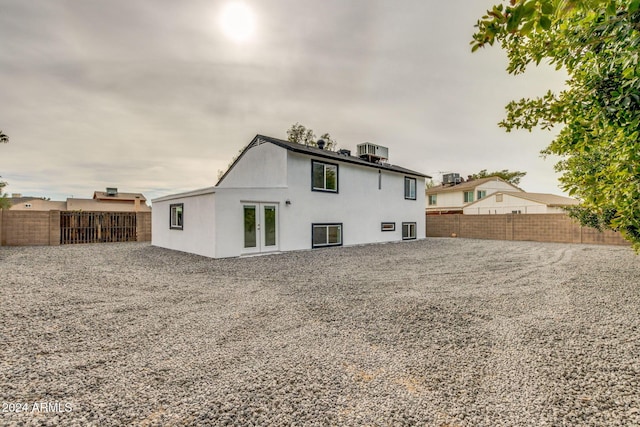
<point>326,235</point>
<point>388,226</point>
<point>498,197</point>
<point>409,188</point>
<point>408,230</point>
<point>482,194</point>
<point>468,196</point>
<point>176,212</point>
<point>324,176</point>
<point>433,199</point>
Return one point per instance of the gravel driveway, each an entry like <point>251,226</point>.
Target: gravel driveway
<point>440,332</point>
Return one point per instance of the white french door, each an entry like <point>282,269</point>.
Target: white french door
<point>260,227</point>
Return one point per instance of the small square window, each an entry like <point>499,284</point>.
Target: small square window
<point>433,199</point>
<point>482,194</point>
<point>326,235</point>
<point>176,212</point>
<point>388,226</point>
<point>499,197</point>
<point>408,230</point>
<point>409,188</point>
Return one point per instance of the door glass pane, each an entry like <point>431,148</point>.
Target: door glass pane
<point>250,227</point>
<point>269,225</point>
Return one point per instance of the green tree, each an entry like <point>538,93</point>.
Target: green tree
<point>5,203</point>
<point>512,177</point>
<point>597,43</point>
<point>300,134</point>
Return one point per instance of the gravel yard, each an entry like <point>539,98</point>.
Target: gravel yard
<point>439,332</point>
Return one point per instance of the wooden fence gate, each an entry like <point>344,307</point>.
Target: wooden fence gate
<point>97,227</point>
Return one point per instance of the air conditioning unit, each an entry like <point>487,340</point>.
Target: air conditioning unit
<point>451,179</point>
<point>372,152</point>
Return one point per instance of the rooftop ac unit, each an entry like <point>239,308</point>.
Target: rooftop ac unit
<point>372,152</point>
<point>451,178</point>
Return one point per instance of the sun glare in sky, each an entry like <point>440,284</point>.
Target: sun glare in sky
<point>237,21</point>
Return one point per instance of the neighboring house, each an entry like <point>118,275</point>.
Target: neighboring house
<point>20,203</point>
<point>110,201</point>
<point>282,196</point>
<point>454,197</point>
<point>103,201</point>
<point>504,202</point>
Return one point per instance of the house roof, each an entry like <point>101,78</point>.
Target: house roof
<point>198,192</point>
<point>467,185</point>
<point>314,151</point>
<point>123,197</point>
<point>552,200</point>
<point>18,200</point>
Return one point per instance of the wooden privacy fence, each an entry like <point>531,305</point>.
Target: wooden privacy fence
<point>97,227</point>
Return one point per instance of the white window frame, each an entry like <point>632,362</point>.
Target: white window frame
<point>410,226</point>
<point>175,222</point>
<point>411,187</point>
<point>388,226</point>
<point>467,196</point>
<point>327,226</point>
<point>433,199</point>
<point>481,194</point>
<point>324,165</point>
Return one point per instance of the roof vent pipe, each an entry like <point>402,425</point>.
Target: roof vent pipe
<point>320,144</point>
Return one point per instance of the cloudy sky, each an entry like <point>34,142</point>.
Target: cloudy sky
<point>154,96</point>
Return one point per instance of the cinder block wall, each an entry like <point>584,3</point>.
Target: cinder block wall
<point>534,227</point>
<point>143,226</point>
<point>29,228</point>
<point>545,228</point>
<point>477,227</point>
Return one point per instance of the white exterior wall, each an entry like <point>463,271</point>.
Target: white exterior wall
<point>453,199</point>
<point>359,205</point>
<point>264,165</point>
<point>198,234</point>
<point>509,203</point>
<point>229,219</point>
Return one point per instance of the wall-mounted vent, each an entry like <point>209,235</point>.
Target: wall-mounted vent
<point>451,179</point>
<point>372,152</point>
<point>112,191</point>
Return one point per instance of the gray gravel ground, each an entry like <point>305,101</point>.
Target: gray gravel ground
<point>440,332</point>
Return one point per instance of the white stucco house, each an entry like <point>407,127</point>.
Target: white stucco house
<point>504,202</point>
<point>453,197</point>
<point>282,196</point>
